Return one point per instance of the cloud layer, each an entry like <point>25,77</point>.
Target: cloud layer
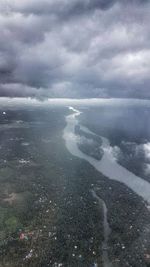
<point>78,48</point>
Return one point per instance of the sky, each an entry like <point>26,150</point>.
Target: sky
<point>75,48</point>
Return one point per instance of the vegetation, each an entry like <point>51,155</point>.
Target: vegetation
<point>48,214</point>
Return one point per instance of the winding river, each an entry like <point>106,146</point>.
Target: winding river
<point>107,165</point>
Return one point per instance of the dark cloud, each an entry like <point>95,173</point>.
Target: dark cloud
<point>63,48</point>
<point>61,8</point>
<point>66,8</point>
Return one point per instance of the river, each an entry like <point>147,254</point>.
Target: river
<point>107,165</point>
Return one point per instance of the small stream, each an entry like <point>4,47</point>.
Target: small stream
<point>107,230</point>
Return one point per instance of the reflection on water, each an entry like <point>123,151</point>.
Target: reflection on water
<point>107,165</point>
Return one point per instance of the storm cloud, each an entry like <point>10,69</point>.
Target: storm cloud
<point>75,49</point>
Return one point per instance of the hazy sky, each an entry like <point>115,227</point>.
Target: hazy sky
<point>75,48</point>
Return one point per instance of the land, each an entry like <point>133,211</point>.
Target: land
<point>44,203</point>
<point>48,214</point>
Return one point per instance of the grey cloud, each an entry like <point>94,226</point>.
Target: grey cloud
<point>60,7</point>
<point>65,8</point>
<point>75,48</point>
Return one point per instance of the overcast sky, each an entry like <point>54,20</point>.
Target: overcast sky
<point>75,48</point>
